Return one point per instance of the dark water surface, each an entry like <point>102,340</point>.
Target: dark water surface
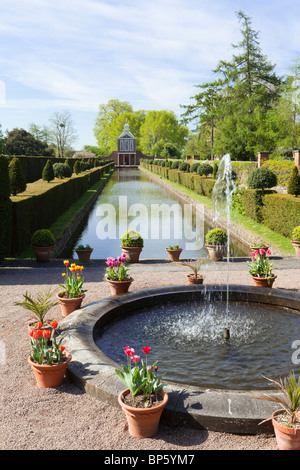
<point>187,340</point>
<point>132,200</point>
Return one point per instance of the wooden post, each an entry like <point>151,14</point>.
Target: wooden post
<point>296,155</point>
<point>261,158</point>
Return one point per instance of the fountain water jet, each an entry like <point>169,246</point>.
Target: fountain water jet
<point>222,193</point>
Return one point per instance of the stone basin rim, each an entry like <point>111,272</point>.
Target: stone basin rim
<point>223,410</point>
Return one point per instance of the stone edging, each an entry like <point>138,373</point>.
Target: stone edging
<point>220,410</point>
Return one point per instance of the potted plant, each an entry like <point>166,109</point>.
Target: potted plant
<point>117,275</point>
<point>286,422</point>
<point>296,240</point>
<point>144,399</point>
<point>132,244</point>
<point>195,266</point>
<point>257,246</point>
<point>42,243</point>
<point>73,294</point>
<point>49,364</point>
<point>261,269</point>
<point>174,252</point>
<point>39,307</point>
<point>84,253</point>
<point>215,242</point>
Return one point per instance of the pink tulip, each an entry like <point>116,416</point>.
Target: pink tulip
<point>261,251</point>
<point>268,252</point>
<point>135,359</point>
<point>129,351</point>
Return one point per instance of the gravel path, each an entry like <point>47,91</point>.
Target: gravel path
<point>67,418</point>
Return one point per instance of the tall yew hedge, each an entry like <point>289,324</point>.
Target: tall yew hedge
<point>5,210</point>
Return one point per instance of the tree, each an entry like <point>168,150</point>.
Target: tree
<point>294,183</point>
<point>63,132</point>
<point>16,177</point>
<point>48,172</point>
<point>161,125</point>
<point>104,129</point>
<point>21,142</point>
<point>262,178</point>
<point>2,141</point>
<point>41,133</point>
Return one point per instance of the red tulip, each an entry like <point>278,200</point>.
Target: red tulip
<point>146,349</point>
<point>129,351</point>
<point>46,333</point>
<point>39,324</point>
<point>61,348</point>
<point>135,359</point>
<point>54,324</point>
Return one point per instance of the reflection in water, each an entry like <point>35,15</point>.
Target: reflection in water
<point>130,200</point>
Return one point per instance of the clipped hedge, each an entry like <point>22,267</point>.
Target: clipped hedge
<point>5,210</point>
<point>33,212</point>
<point>281,213</point>
<point>282,169</point>
<point>33,166</point>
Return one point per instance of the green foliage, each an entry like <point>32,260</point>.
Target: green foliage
<point>48,172</point>
<point>216,236</point>
<point>281,213</point>
<point>77,167</point>
<point>5,209</point>
<point>132,238</point>
<point>296,234</point>
<point>194,167</point>
<point>262,178</point>
<point>215,169</point>
<point>204,169</point>
<point>40,305</point>
<point>42,237</point>
<point>294,183</point>
<point>175,164</point>
<point>16,177</point>
<point>184,166</point>
<point>282,169</point>
<point>21,142</point>
<point>61,170</point>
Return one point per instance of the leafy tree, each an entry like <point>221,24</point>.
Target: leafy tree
<point>161,125</point>
<point>262,178</point>
<point>63,132</point>
<point>48,172</point>
<point>104,124</point>
<point>294,183</point>
<point>16,177</point>
<point>2,141</point>
<point>21,142</point>
<point>77,167</point>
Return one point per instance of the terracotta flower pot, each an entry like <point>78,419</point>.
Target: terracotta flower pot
<point>132,253</point>
<point>296,245</point>
<point>216,252</point>
<point>50,376</point>
<point>174,254</point>
<point>288,438</point>
<point>84,255</point>
<point>119,287</point>
<point>264,281</point>
<point>69,305</point>
<point>194,280</point>
<point>143,422</point>
<point>43,253</point>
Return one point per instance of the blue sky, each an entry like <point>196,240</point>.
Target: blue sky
<point>76,54</point>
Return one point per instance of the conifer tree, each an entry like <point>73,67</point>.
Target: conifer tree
<point>48,172</point>
<point>294,183</point>
<point>16,177</point>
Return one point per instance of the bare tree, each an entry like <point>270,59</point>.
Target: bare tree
<point>62,131</point>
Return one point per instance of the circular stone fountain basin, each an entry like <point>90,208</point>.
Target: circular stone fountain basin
<point>209,378</point>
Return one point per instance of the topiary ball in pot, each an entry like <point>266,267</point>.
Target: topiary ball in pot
<point>215,242</point>
<point>43,243</point>
<point>132,244</point>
